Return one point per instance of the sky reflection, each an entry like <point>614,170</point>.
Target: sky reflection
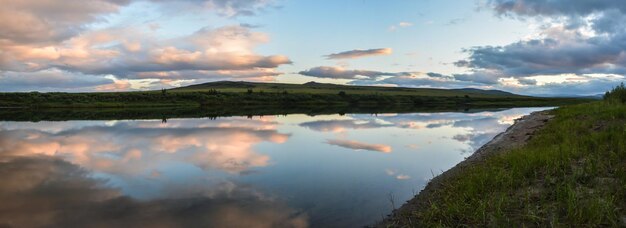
<point>295,170</point>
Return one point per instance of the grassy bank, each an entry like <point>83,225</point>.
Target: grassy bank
<point>572,173</point>
<point>237,94</point>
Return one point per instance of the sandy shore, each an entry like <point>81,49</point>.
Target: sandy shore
<point>516,135</point>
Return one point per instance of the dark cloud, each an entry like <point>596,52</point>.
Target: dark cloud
<point>436,75</point>
<point>482,77</point>
<point>562,49</point>
<point>552,57</point>
<point>527,81</point>
<point>353,54</point>
<point>556,7</point>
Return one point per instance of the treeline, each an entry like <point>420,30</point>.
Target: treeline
<point>617,94</point>
<point>166,98</point>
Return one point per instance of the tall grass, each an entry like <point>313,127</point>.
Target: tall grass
<point>571,174</point>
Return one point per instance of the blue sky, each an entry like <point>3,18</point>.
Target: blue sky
<point>535,47</point>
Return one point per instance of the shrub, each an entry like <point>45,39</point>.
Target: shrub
<point>617,94</point>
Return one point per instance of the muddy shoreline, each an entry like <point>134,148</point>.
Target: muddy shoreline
<point>516,135</point>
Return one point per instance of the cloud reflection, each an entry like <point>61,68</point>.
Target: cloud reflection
<point>341,125</point>
<point>139,147</point>
<point>47,192</point>
<point>355,145</point>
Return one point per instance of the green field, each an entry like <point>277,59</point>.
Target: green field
<point>222,94</point>
<point>571,174</point>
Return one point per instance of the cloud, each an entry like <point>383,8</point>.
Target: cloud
<point>527,81</point>
<point>228,8</point>
<point>342,73</point>
<point>353,54</point>
<point>577,37</point>
<point>552,57</point>
<point>49,80</point>
<point>555,7</point>
<point>587,85</point>
<point>359,145</point>
<point>402,24</point>
<point>436,75</point>
<point>117,85</point>
<point>38,37</point>
<point>416,79</point>
<point>34,21</point>
<point>488,77</point>
<point>224,52</point>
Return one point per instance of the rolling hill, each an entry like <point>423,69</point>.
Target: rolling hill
<point>326,88</point>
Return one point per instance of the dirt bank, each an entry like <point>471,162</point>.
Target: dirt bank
<point>515,136</point>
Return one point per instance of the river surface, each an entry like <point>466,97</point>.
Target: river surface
<point>272,171</point>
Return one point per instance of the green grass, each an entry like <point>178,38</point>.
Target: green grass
<point>221,94</point>
<point>571,174</point>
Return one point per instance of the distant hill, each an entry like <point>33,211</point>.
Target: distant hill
<point>327,88</point>
<point>492,91</point>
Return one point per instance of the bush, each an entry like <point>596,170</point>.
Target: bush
<point>617,94</point>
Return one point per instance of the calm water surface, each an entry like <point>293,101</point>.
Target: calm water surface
<point>288,171</point>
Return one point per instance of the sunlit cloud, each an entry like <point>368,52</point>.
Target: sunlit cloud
<point>55,37</point>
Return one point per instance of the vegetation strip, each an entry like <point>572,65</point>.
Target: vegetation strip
<point>237,94</point>
<point>571,172</point>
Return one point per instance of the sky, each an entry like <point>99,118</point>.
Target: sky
<point>532,47</point>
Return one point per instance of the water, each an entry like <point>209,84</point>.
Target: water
<point>289,171</point>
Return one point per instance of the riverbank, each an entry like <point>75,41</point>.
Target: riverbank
<point>565,167</point>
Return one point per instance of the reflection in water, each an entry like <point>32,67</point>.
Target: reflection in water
<point>134,148</point>
<point>43,191</point>
<point>287,171</point>
<point>359,145</point>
